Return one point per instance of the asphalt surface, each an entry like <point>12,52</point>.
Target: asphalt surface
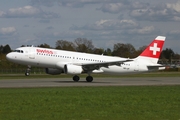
<point>65,82</point>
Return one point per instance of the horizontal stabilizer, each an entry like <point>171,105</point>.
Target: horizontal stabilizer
<point>155,67</point>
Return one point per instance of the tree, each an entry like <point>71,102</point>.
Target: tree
<point>108,52</point>
<point>167,54</point>
<point>176,56</point>
<point>65,45</point>
<point>84,45</point>
<point>1,49</point>
<point>99,51</point>
<point>23,45</point>
<point>124,50</point>
<point>6,49</point>
<point>44,45</point>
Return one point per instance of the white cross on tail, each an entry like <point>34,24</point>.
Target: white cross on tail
<point>155,49</point>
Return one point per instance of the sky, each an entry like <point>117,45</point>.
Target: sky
<point>105,22</point>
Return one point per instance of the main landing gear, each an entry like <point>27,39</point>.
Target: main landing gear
<point>76,78</point>
<point>88,78</point>
<point>28,70</point>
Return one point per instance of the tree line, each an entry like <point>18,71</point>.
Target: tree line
<point>126,50</point>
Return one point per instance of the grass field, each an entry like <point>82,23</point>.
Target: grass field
<point>91,103</point>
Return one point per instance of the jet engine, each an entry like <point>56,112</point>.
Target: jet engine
<point>53,71</point>
<point>72,69</point>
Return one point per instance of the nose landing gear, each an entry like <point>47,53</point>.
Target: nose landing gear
<point>28,70</point>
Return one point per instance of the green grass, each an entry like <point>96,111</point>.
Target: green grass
<point>151,74</point>
<point>91,103</point>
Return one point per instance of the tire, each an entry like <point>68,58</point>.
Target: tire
<point>89,78</point>
<point>27,74</point>
<point>76,78</point>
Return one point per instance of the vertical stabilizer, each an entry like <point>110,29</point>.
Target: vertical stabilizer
<point>153,51</point>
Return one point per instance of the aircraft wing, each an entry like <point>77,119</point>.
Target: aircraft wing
<point>95,66</point>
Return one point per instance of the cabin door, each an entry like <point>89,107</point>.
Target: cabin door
<point>31,53</point>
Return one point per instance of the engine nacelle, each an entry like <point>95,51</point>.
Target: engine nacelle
<point>53,71</point>
<point>72,69</point>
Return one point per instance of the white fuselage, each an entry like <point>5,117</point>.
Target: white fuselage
<point>51,58</point>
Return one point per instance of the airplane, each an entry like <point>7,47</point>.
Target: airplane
<point>74,63</point>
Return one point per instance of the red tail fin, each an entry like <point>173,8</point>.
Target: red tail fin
<point>155,48</point>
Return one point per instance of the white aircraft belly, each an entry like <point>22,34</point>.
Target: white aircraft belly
<point>117,69</point>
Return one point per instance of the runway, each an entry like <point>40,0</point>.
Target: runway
<point>67,82</point>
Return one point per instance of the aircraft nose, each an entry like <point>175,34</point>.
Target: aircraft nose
<point>9,56</point>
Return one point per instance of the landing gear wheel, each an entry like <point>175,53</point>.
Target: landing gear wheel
<point>76,78</point>
<point>27,73</point>
<point>28,70</point>
<point>89,78</point>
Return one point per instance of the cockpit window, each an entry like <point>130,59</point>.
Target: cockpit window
<point>19,51</point>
